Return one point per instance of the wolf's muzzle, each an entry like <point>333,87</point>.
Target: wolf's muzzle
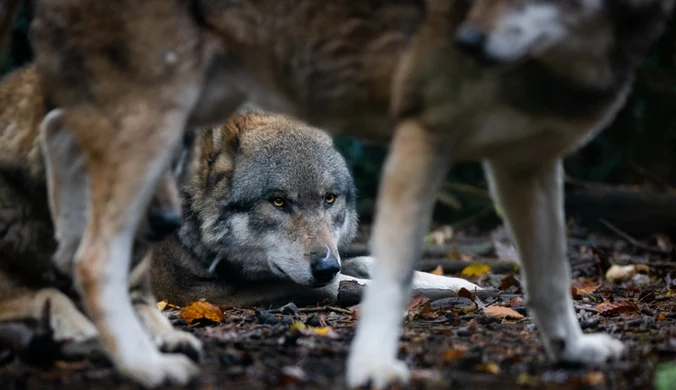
<point>325,266</point>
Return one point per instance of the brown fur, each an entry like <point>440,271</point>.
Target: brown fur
<point>27,234</point>
<point>140,73</point>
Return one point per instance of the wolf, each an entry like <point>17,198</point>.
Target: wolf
<point>36,157</point>
<point>265,219</point>
<point>403,72</point>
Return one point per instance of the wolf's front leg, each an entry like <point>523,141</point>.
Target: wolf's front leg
<point>414,170</point>
<point>122,178</point>
<point>532,202</point>
<point>362,267</point>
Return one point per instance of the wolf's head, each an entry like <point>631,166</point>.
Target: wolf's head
<point>506,31</point>
<point>273,200</point>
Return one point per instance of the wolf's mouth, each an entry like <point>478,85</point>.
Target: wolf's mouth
<point>281,271</point>
<point>320,284</point>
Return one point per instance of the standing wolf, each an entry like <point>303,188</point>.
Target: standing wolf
<point>266,216</point>
<point>141,72</point>
<point>30,156</point>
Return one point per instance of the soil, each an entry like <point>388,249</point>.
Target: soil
<point>457,342</point>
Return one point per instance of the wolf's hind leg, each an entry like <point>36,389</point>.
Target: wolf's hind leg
<point>166,338</point>
<point>532,202</point>
<point>415,167</point>
<point>67,322</point>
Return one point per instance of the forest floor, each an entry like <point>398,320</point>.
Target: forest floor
<point>621,286</point>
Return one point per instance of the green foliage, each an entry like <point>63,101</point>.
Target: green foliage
<point>19,48</point>
<point>665,377</point>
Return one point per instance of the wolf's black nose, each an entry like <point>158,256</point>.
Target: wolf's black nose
<point>470,39</point>
<point>164,223</point>
<point>325,266</point>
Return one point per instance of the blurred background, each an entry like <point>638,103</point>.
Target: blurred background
<point>625,176</point>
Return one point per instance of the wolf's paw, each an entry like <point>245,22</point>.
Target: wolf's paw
<point>177,341</point>
<point>374,371</point>
<point>593,349</point>
<point>153,371</point>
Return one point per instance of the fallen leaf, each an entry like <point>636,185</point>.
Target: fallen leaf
<point>418,305</point>
<point>661,316</point>
<point>509,281</point>
<point>575,292</point>
<point>476,269</point>
<point>594,378</point>
<point>454,353</point>
<point>527,380</point>
<point>585,286</point>
<point>417,301</point>
<point>502,312</point>
<point>161,305</point>
<point>325,331</point>
<point>292,375</point>
<point>438,271</point>
<point>616,307</point>
<point>490,368</point>
<point>201,310</point>
<point>298,325</point>
<point>305,330</point>
<point>355,311</point>
<point>465,293</point>
<point>515,302</point>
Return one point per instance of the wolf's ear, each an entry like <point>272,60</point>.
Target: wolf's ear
<point>219,148</point>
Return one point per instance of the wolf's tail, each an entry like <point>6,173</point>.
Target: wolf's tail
<point>9,10</point>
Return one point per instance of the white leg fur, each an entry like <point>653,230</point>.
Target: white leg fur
<point>67,185</point>
<point>165,337</point>
<point>414,170</point>
<point>102,266</point>
<point>121,333</point>
<point>532,203</point>
<point>363,266</point>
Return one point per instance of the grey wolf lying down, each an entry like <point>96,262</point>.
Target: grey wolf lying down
<point>142,72</point>
<point>265,220</point>
<point>30,155</point>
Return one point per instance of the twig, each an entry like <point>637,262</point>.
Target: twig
<point>585,184</point>
<point>469,189</point>
<point>315,310</point>
<point>631,240</point>
<point>474,217</point>
<point>589,309</point>
<point>652,176</point>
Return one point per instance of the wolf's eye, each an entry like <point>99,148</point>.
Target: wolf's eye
<point>329,198</point>
<point>278,202</point>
